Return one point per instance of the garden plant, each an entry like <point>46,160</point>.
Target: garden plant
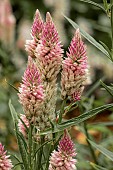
<point>53,86</point>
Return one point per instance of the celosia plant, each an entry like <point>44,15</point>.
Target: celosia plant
<point>39,128</point>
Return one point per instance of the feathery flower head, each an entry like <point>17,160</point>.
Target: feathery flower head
<point>75,69</point>
<point>37,26</point>
<point>77,49</point>
<point>21,126</point>
<point>50,35</point>
<point>31,90</point>
<point>66,145</point>
<point>63,158</point>
<point>5,162</point>
<point>49,51</point>
<point>36,32</point>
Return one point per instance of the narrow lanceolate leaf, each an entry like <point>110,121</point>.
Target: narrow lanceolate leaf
<point>94,4</point>
<point>78,119</point>
<point>104,151</point>
<point>88,37</point>
<point>21,143</point>
<point>97,167</point>
<point>12,86</point>
<point>13,112</point>
<point>107,49</point>
<point>109,90</point>
<point>22,150</point>
<point>84,116</point>
<point>20,163</point>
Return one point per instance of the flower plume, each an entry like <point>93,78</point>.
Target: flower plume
<point>31,90</point>
<point>63,158</point>
<point>75,69</point>
<point>37,25</point>
<point>5,162</point>
<point>49,52</point>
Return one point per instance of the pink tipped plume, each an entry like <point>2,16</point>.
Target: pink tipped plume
<point>63,159</point>
<point>31,93</point>
<point>75,69</point>
<point>49,51</point>
<point>36,33</point>
<point>37,26</point>
<point>5,162</point>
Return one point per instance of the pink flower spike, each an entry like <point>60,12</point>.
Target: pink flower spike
<point>75,69</point>
<point>77,49</point>
<point>37,25</point>
<point>21,126</point>
<point>31,92</point>
<point>49,52</point>
<point>50,35</point>
<point>63,158</point>
<point>5,162</point>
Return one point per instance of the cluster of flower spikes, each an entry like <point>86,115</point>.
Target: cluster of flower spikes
<point>5,162</point>
<point>63,158</point>
<point>46,53</point>
<point>75,69</point>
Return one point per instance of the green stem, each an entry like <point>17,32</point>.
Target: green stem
<point>112,25</point>
<point>40,153</point>
<point>30,148</point>
<point>90,147</point>
<point>62,110</point>
<point>87,135</point>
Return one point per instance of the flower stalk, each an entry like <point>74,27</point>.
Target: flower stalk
<point>90,146</point>
<point>112,25</point>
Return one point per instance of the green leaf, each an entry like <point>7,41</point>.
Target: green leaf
<point>12,86</point>
<point>107,49</point>
<point>104,151</point>
<point>88,37</point>
<point>20,163</point>
<point>84,116</point>
<point>110,123</point>
<point>23,139</point>
<point>41,147</point>
<point>93,3</point>
<point>15,157</point>
<point>109,90</point>
<point>97,167</point>
<point>79,119</point>
<point>20,140</point>
<point>62,111</point>
<point>13,112</point>
<point>22,150</point>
